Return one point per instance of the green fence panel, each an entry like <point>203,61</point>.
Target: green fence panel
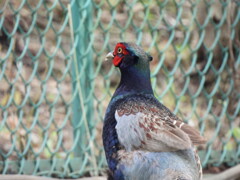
<point>55,85</point>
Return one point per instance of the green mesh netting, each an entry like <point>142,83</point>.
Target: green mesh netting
<point>55,86</point>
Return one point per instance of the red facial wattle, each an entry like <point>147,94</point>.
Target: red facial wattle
<point>117,60</point>
<point>118,56</point>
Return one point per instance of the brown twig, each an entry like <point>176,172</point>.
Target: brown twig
<point>230,174</point>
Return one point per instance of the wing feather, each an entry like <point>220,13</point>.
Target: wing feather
<point>148,128</point>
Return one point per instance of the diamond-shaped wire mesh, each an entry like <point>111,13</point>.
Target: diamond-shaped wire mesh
<point>55,86</point>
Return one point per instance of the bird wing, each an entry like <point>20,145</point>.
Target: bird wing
<point>147,127</point>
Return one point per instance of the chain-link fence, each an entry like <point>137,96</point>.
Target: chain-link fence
<point>55,86</point>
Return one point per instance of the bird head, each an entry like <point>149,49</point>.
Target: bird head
<point>128,54</point>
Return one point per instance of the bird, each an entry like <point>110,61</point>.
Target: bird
<point>143,139</point>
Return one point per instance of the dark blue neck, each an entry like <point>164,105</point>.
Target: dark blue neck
<point>134,80</point>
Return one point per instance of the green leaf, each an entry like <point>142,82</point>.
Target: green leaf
<point>230,145</point>
<point>236,132</point>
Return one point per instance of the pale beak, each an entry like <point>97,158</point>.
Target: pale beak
<point>109,56</point>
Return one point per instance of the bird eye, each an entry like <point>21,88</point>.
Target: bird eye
<point>119,50</point>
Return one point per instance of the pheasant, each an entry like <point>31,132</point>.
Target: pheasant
<point>143,139</point>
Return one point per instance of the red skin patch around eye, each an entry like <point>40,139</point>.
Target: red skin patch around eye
<point>119,56</point>
<point>117,60</point>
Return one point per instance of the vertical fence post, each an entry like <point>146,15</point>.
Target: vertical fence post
<point>82,71</point>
